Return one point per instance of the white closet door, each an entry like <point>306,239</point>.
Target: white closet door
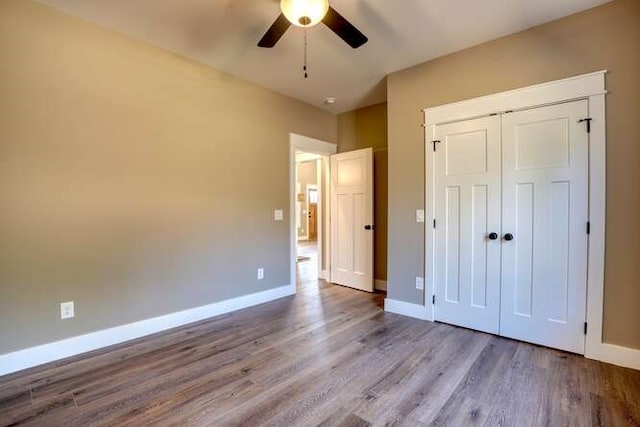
<point>352,219</point>
<point>545,209</point>
<point>467,261</point>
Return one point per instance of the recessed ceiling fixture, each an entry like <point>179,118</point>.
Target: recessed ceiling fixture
<point>330,100</point>
<point>307,13</point>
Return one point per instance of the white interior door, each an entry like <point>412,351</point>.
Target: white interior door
<point>467,254</point>
<point>352,219</point>
<point>545,211</point>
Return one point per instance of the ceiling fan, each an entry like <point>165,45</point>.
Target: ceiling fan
<point>307,13</point>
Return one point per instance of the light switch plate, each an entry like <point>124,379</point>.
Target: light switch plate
<point>260,274</point>
<point>419,215</point>
<point>278,215</point>
<point>66,310</point>
<point>419,283</point>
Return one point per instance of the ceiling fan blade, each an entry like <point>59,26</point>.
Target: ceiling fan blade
<point>344,29</point>
<point>274,32</point>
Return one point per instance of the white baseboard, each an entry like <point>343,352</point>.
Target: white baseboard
<point>621,356</point>
<point>323,274</point>
<point>406,309</point>
<point>33,356</point>
<point>380,285</point>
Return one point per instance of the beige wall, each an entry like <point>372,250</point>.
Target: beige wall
<point>607,37</point>
<point>132,181</point>
<point>362,128</point>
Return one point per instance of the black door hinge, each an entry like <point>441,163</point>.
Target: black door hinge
<point>433,299</point>
<point>588,120</point>
<point>434,223</point>
<point>588,227</point>
<point>435,143</point>
<point>585,328</point>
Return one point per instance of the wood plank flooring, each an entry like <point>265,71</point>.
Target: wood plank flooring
<point>328,356</point>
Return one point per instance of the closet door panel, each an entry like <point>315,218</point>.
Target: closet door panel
<point>467,273</point>
<point>545,209</point>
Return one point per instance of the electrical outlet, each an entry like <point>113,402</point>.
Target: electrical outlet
<point>66,310</point>
<point>419,283</point>
<point>419,215</point>
<point>278,215</point>
<point>260,273</point>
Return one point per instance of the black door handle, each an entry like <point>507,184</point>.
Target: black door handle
<point>493,236</point>
<point>508,237</point>
<point>369,227</point>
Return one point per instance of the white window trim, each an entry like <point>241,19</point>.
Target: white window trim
<point>592,88</point>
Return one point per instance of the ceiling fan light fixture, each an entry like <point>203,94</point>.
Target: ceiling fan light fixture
<point>304,13</point>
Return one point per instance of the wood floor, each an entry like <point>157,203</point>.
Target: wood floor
<point>328,356</point>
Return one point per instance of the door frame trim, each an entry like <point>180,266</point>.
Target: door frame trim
<point>323,148</point>
<point>589,86</point>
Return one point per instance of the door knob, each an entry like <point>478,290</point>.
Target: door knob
<point>368,227</point>
<point>493,236</point>
<point>508,237</point>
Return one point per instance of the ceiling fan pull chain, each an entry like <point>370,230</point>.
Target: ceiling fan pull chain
<point>304,68</point>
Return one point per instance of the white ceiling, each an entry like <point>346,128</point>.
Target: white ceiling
<point>402,33</point>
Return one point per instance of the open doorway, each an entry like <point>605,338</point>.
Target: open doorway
<point>331,217</point>
<point>309,206</point>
